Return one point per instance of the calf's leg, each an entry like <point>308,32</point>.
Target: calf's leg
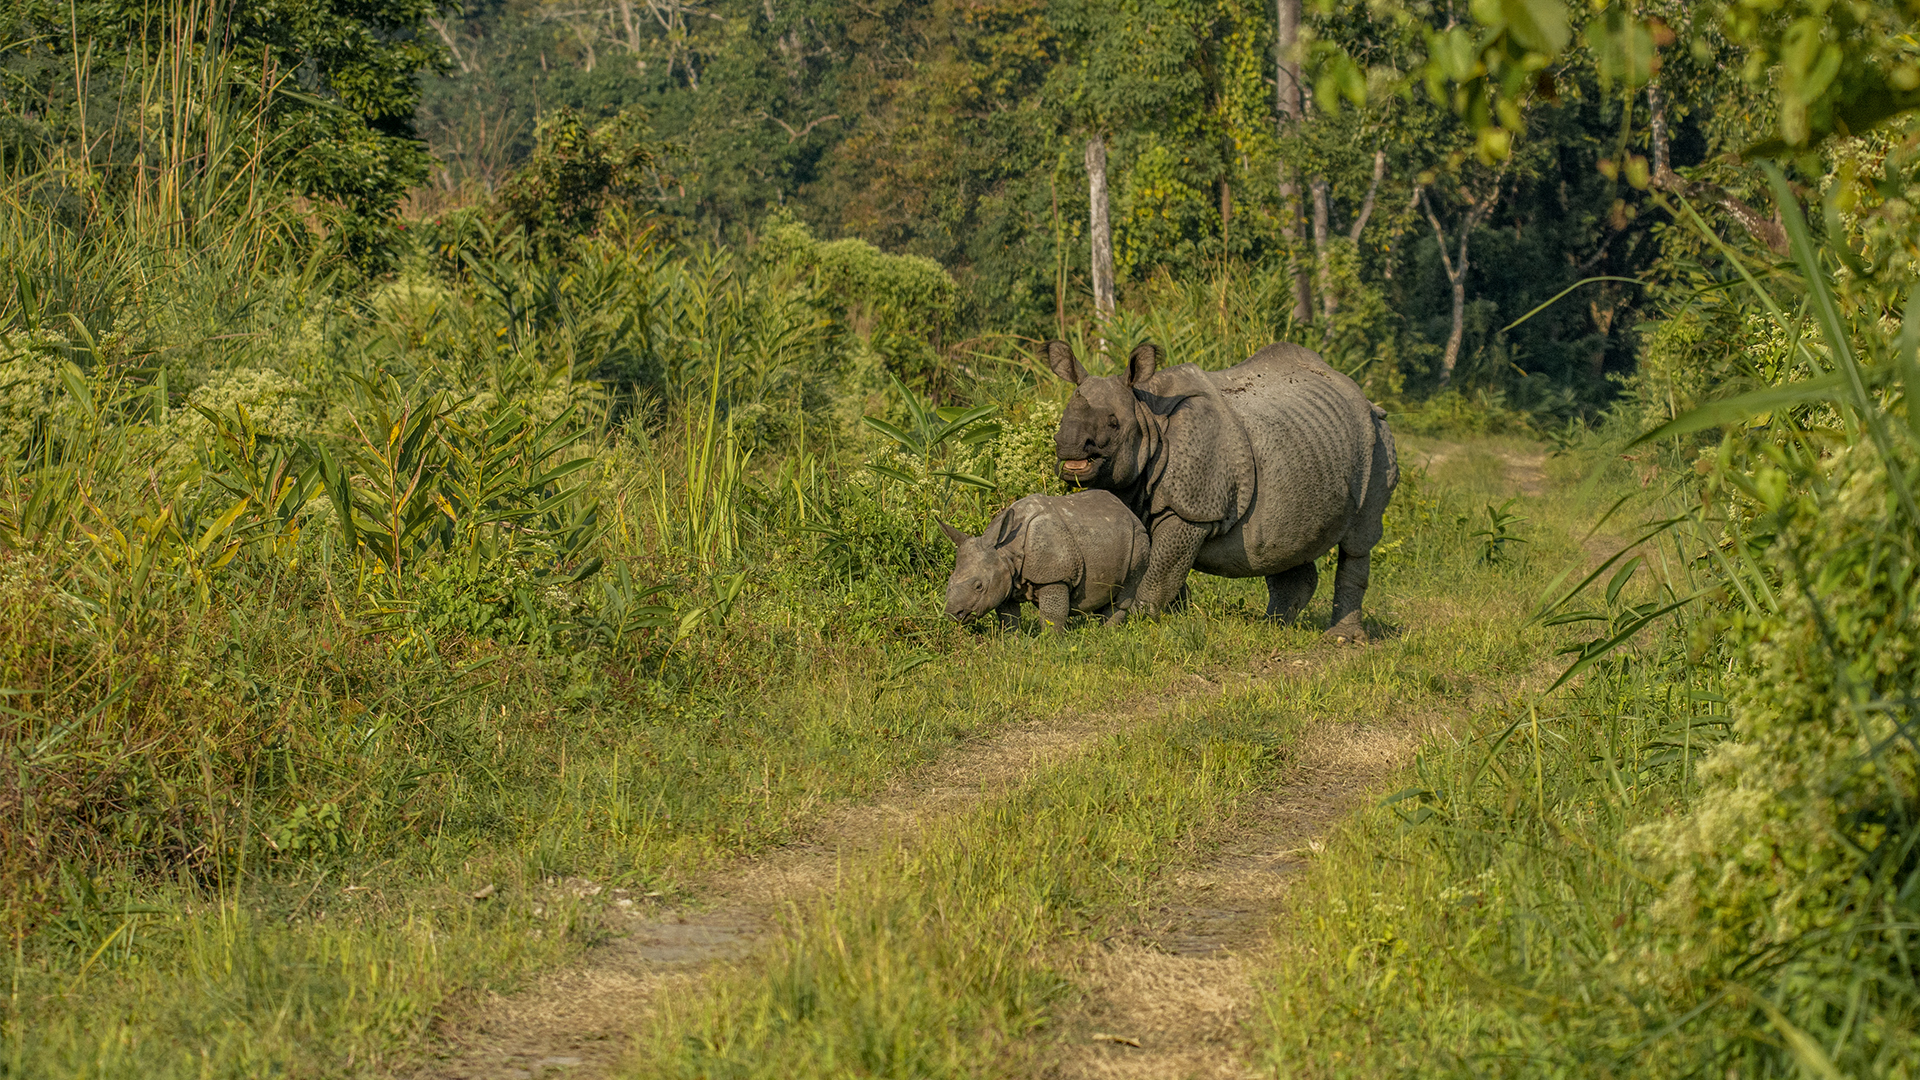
<point>1289,591</point>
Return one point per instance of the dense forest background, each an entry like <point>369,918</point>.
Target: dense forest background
<point>957,130</point>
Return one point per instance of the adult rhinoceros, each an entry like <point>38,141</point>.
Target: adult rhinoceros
<point>1255,471</point>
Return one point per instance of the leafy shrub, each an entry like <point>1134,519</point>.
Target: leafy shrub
<point>1453,413</point>
<point>1793,875</point>
<point>1021,460</point>
<point>275,406</point>
<point>30,390</point>
<point>878,525</point>
<point>1702,354</point>
<point>902,304</point>
<point>577,173</point>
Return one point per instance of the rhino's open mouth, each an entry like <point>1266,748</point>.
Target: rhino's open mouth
<point>1081,466</point>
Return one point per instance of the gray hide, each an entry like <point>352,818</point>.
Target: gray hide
<point>1255,471</point>
<point>1083,552</point>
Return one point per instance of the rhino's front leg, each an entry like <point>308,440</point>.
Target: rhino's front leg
<point>1009,614</point>
<point>1055,602</point>
<point>1175,542</point>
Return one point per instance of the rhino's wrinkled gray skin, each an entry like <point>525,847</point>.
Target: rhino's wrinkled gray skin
<point>1255,471</point>
<point>1083,552</point>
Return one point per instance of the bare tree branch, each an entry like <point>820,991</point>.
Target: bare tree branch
<point>441,27</point>
<point>794,135</point>
<point>1366,205</point>
<point>1768,231</point>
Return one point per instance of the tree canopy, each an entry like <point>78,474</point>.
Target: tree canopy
<point>953,130</point>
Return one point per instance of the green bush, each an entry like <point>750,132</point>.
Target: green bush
<point>578,173</point>
<point>902,305</point>
<point>1454,413</point>
<point>1790,881</point>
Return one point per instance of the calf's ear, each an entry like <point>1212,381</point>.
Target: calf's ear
<point>1142,364</point>
<point>1059,357</point>
<point>953,534</point>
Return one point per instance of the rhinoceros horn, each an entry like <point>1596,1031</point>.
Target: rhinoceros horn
<point>953,534</point>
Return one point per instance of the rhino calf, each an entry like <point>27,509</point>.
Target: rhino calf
<point>1084,552</point>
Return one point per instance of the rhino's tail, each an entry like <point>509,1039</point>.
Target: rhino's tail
<point>1383,451</point>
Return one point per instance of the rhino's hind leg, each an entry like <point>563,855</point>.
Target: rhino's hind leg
<point>1289,591</point>
<point>1349,587</point>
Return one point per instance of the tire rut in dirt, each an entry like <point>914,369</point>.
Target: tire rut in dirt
<point>1168,998</point>
<point>584,1020</point>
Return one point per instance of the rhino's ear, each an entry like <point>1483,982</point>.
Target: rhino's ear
<point>1060,358</point>
<point>953,534</point>
<point>1009,528</point>
<point>1143,363</point>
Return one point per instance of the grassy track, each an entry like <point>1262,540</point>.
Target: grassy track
<point>953,956</point>
<point>950,956</point>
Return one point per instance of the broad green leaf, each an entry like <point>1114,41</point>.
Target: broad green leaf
<point>1539,25</point>
<point>910,443</point>
<point>966,478</point>
<point>1620,579</point>
<point>220,525</point>
<point>892,473</point>
<point>1732,410</point>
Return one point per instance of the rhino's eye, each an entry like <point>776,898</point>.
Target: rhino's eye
<point>977,586</point>
<point>1113,421</point>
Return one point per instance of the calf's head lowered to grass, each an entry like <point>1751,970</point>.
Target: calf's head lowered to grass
<point>1083,552</point>
<point>982,572</point>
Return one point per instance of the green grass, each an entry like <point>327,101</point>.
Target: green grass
<point>529,780</point>
<point>1466,928</point>
<point>949,958</point>
<point>648,773</point>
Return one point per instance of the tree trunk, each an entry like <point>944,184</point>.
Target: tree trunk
<point>1456,270</point>
<point>1226,216</point>
<point>1657,130</point>
<point>1459,331</point>
<point>1603,322</point>
<point>1768,231</point>
<point>1290,103</point>
<point>1322,258</point>
<point>1059,258</point>
<point>1102,236</point>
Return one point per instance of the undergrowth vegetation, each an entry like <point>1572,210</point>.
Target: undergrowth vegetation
<point>363,611</point>
<point>1699,858</point>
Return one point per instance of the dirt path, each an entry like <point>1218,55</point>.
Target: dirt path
<point>1168,999</point>
<point>1524,472</point>
<point>581,1021</point>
